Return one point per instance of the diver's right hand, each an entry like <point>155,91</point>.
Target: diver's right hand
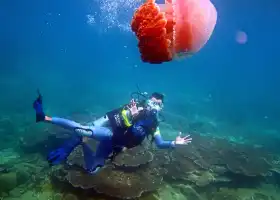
<point>134,110</point>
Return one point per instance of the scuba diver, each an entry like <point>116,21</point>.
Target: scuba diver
<point>119,129</point>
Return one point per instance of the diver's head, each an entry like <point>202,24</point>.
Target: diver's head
<point>152,108</point>
<point>155,102</point>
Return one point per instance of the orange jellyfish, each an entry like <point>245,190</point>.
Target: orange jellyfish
<point>177,28</point>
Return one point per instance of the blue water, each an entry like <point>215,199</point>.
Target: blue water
<point>49,45</point>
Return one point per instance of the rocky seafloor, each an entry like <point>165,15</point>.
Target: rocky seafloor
<point>210,168</point>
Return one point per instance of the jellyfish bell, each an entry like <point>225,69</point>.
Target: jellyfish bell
<point>174,29</point>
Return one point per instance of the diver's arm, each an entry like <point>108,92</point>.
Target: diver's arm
<point>161,143</point>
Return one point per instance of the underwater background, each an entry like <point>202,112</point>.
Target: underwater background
<point>84,59</point>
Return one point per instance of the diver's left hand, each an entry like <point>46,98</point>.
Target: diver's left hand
<point>183,140</point>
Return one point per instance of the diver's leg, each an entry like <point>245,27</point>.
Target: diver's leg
<point>69,124</point>
<point>102,134</point>
<point>102,121</point>
<point>64,123</point>
<point>94,162</point>
<point>95,132</point>
<point>41,117</point>
<point>98,133</point>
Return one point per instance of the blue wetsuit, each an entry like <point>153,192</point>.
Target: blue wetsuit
<point>103,130</point>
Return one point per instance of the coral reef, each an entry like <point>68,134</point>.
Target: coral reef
<point>114,181</point>
<point>133,157</point>
<point>206,163</point>
<point>210,168</point>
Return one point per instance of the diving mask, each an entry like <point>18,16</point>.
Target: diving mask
<point>155,105</point>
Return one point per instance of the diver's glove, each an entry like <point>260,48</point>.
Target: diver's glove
<point>38,107</point>
<point>59,155</point>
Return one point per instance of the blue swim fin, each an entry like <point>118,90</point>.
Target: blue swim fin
<point>38,107</point>
<point>92,163</point>
<point>59,155</point>
<point>89,156</point>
